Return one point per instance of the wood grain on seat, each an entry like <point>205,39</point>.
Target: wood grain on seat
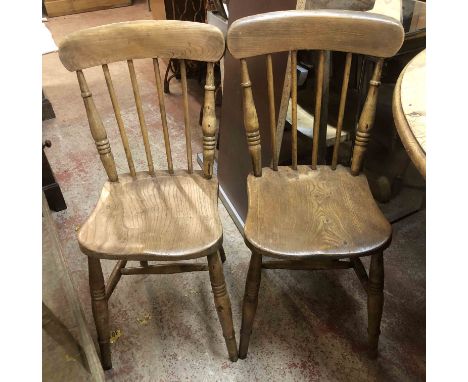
<point>313,213</point>
<point>159,217</point>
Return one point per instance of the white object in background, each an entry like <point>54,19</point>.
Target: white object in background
<point>302,75</point>
<point>47,42</point>
<point>218,21</point>
<point>222,24</point>
<point>305,123</point>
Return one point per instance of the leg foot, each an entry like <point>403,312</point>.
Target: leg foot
<point>100,310</point>
<point>249,308</point>
<point>223,304</point>
<point>375,300</point>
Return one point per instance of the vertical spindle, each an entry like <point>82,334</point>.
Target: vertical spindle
<point>344,92</point>
<point>188,132</point>
<point>271,107</point>
<point>118,117</point>
<point>162,109</point>
<point>318,105</point>
<point>294,108</point>
<point>141,116</point>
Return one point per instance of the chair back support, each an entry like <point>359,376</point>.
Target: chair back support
<point>153,39</point>
<point>321,30</point>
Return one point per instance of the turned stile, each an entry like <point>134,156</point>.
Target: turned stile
<point>344,92</point>
<point>141,116</point>
<point>100,310</point>
<point>294,108</point>
<point>251,120</point>
<point>271,109</point>
<point>97,129</point>
<point>366,121</point>
<point>188,132</point>
<point>318,106</point>
<point>162,109</point>
<point>209,122</point>
<point>118,117</point>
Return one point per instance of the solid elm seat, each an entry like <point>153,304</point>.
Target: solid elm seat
<point>161,217</point>
<point>334,215</point>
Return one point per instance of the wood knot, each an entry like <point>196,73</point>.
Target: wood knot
<point>86,94</point>
<point>210,87</point>
<point>374,83</point>
<point>247,84</point>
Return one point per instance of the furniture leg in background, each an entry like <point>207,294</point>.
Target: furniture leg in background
<point>50,187</point>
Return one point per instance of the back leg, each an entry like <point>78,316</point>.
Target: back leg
<point>249,308</point>
<point>222,254</point>
<point>375,301</point>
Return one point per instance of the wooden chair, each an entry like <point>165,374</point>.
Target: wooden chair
<point>154,215</point>
<point>318,216</point>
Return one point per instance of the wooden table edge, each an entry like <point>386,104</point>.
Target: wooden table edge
<point>411,144</point>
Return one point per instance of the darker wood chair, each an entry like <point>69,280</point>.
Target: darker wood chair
<point>154,215</point>
<point>313,217</point>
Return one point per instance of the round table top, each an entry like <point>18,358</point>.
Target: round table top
<point>409,110</point>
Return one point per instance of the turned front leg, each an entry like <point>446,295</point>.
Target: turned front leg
<point>249,308</point>
<point>100,310</point>
<point>223,304</point>
<point>375,301</point>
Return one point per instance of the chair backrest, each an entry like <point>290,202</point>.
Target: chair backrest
<point>126,41</point>
<point>321,30</point>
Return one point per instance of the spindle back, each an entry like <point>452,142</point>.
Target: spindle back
<point>321,30</point>
<point>153,39</point>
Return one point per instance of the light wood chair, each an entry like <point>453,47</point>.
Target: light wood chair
<point>313,217</point>
<point>154,215</point>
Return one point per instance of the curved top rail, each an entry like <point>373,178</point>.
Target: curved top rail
<point>335,30</point>
<point>141,39</point>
